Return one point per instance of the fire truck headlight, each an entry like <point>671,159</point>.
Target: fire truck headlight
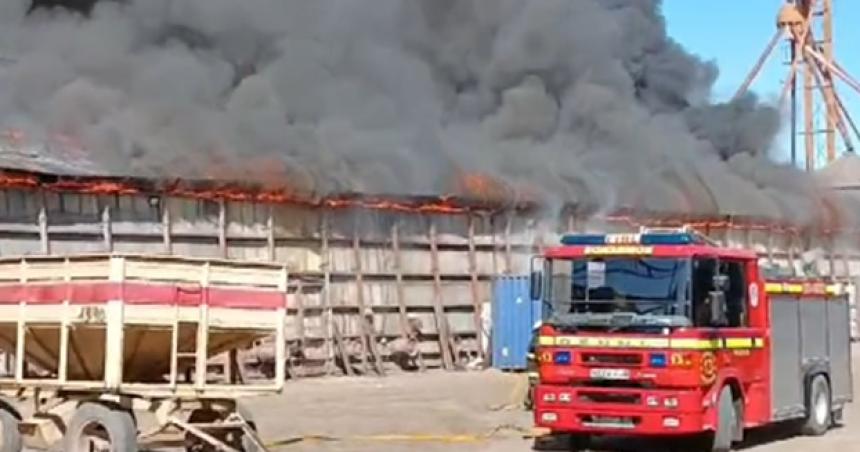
<point>657,360</point>
<point>563,357</point>
<point>671,422</point>
<point>652,401</point>
<point>549,397</point>
<point>565,397</point>
<point>549,417</point>
<point>670,402</point>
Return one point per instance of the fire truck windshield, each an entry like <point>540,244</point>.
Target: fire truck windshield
<point>603,289</point>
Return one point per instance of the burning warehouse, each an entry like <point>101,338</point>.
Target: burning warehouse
<point>495,125</point>
<point>401,279</point>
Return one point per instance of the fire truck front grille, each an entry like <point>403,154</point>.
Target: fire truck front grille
<point>615,359</point>
<point>610,422</point>
<point>603,397</point>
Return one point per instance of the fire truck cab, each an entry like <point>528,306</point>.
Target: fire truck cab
<point>664,333</point>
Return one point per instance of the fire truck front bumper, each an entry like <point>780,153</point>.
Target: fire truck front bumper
<point>619,411</point>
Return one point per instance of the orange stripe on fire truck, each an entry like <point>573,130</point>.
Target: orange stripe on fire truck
<point>677,344</point>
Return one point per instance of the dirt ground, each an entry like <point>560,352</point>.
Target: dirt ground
<point>453,412</point>
<point>441,411</point>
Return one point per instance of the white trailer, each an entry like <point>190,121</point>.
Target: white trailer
<point>95,340</point>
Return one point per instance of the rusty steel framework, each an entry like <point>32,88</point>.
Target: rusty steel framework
<point>807,26</point>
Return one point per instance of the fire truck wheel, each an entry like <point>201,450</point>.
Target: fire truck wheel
<point>561,442</point>
<point>819,409</point>
<point>727,422</point>
<point>10,437</point>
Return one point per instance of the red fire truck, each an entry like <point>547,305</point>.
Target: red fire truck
<point>665,334</point>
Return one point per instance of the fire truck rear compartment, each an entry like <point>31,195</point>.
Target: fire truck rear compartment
<point>809,336</point>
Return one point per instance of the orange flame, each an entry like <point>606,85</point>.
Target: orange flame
<point>482,186</point>
<point>272,172</point>
<point>101,186</point>
<point>701,224</point>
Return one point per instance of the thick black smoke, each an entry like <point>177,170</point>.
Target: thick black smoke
<point>585,100</point>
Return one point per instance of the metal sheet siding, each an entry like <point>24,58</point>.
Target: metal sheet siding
<point>514,316</point>
<point>839,346</point>
<point>821,345</point>
<point>813,332</point>
<point>787,387</point>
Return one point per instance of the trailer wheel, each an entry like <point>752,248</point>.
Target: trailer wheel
<point>819,409</point>
<point>96,427</point>
<point>727,422</point>
<point>10,437</point>
<point>200,416</point>
<point>248,444</point>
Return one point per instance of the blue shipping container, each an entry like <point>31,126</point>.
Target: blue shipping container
<point>514,318</point>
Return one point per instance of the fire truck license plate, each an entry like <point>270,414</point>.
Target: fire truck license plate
<point>610,374</point>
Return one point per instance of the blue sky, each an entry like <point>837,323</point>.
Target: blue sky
<point>735,32</point>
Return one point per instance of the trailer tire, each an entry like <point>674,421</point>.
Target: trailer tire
<point>819,409</point>
<point>91,419</point>
<point>248,444</point>
<point>726,422</point>
<point>11,437</point>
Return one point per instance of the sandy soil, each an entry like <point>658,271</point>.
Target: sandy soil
<point>452,412</point>
<point>427,413</point>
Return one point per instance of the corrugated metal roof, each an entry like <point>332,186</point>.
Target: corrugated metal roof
<point>50,159</point>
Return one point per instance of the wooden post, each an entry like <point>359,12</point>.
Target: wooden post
<point>344,355</point>
<point>398,280</point>
<point>368,336</point>
<point>770,245</point>
<point>508,254</point>
<point>107,230</point>
<point>222,227</point>
<point>405,325</point>
<point>492,220</point>
<point>831,258</point>
<point>270,233</point>
<point>476,296</point>
<point>43,230</point>
<point>438,309</point>
<point>791,237</point>
<point>325,264</point>
<point>300,315</point>
<point>166,226</point>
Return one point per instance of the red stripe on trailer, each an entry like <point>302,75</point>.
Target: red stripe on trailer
<point>140,294</point>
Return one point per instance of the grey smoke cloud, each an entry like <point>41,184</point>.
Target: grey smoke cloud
<point>587,101</point>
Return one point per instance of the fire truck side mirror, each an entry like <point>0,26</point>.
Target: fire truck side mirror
<point>536,285</point>
<point>717,304</point>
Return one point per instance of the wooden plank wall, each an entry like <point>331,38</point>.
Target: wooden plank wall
<point>362,278</point>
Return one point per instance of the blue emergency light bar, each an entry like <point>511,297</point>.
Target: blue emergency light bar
<point>674,238</point>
